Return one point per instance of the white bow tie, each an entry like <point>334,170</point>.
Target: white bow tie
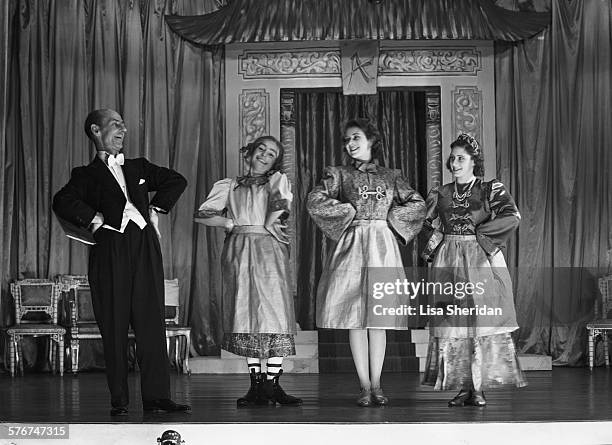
<point>113,160</point>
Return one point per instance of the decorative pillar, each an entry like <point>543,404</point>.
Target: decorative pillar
<point>287,134</point>
<point>434,139</point>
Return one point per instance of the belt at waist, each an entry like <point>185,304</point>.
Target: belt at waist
<point>369,222</point>
<point>460,237</point>
<point>250,229</point>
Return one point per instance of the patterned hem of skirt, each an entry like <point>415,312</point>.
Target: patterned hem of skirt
<point>390,328</point>
<point>481,362</point>
<point>260,345</point>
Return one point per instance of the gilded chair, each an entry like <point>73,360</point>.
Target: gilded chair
<point>603,322</point>
<point>174,329</point>
<point>81,321</point>
<point>36,313</point>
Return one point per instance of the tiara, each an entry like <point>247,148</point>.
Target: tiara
<point>464,137</point>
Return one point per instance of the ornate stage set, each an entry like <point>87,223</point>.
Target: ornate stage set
<point>449,55</point>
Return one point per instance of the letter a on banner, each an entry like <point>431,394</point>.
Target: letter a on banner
<point>359,66</point>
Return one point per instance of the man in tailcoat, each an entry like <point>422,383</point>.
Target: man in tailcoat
<point>110,197</point>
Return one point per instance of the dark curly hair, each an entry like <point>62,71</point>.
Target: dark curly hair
<point>248,150</point>
<point>371,132</point>
<point>472,148</point>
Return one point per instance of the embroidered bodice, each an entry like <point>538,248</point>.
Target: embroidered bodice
<point>486,210</point>
<point>365,192</point>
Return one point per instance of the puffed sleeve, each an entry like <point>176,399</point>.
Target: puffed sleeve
<point>407,211</point>
<point>280,197</point>
<point>431,235</point>
<point>332,216</point>
<point>493,233</point>
<point>216,202</point>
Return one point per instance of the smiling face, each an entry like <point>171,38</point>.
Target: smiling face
<point>264,156</point>
<point>461,164</point>
<point>357,145</point>
<point>109,135</point>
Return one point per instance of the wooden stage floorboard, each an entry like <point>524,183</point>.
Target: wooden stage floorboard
<point>564,394</point>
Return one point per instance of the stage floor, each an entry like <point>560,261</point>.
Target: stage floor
<point>565,394</point>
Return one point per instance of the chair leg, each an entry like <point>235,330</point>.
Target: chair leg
<point>61,354</point>
<point>604,337</point>
<point>20,355</point>
<point>168,347</point>
<point>591,350</point>
<point>74,355</point>
<point>186,369</point>
<point>52,359</point>
<point>177,345</point>
<point>12,354</point>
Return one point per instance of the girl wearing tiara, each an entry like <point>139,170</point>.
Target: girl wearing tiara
<point>258,315</point>
<point>467,224</point>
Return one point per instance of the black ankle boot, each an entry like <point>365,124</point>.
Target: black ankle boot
<point>275,394</point>
<point>252,397</point>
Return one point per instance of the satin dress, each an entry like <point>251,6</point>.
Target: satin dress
<point>258,309</point>
<point>465,229</point>
<point>366,209</point>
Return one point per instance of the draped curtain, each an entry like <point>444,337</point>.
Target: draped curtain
<point>58,61</point>
<point>554,139</point>
<point>320,116</point>
<point>61,58</point>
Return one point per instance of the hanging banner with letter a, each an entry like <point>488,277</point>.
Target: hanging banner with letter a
<point>359,66</point>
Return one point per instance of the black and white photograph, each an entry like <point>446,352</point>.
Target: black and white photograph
<point>305,221</point>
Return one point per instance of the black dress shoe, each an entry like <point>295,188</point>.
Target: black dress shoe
<point>461,399</point>
<point>164,406</point>
<point>119,411</point>
<point>477,399</point>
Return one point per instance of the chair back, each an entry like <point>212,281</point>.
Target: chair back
<point>605,287</point>
<point>36,300</point>
<point>171,301</point>
<point>69,285</point>
<point>79,299</point>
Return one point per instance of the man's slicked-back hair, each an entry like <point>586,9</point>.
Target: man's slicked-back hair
<point>95,117</point>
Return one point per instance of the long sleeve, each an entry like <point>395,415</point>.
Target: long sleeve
<point>280,197</point>
<point>69,203</point>
<point>493,233</point>
<point>216,201</point>
<point>431,235</point>
<point>407,211</point>
<point>332,216</point>
<point>168,184</point>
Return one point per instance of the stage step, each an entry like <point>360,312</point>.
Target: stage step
<point>217,365</point>
<point>306,359</point>
<point>345,364</point>
<point>335,352</point>
<point>535,362</point>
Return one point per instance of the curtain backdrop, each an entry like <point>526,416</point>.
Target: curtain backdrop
<point>400,118</point>
<point>554,139</point>
<point>59,59</point>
